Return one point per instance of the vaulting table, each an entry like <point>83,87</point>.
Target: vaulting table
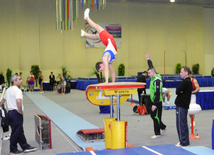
<point>113,94</point>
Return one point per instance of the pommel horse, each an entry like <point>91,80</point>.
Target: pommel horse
<point>113,94</point>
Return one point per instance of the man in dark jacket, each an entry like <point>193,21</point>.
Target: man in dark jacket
<point>182,101</point>
<point>141,78</point>
<point>52,80</point>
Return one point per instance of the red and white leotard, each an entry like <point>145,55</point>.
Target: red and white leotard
<point>109,42</point>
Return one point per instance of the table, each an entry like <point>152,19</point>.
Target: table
<point>204,82</point>
<point>46,85</point>
<point>172,83</point>
<point>205,99</point>
<point>82,83</point>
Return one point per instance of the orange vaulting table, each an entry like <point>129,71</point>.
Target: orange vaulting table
<point>105,94</point>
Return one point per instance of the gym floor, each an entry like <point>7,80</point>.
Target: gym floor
<point>139,129</point>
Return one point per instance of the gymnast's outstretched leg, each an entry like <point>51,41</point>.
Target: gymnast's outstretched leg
<point>97,27</point>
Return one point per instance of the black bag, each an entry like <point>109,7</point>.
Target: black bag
<point>4,120</point>
<point>4,124</point>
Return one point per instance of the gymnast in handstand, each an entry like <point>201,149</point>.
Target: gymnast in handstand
<point>110,50</point>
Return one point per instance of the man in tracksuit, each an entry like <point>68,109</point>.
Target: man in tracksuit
<point>182,102</point>
<point>155,87</point>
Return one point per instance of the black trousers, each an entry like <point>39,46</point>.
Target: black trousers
<point>140,91</point>
<point>182,126</point>
<point>17,136</point>
<point>156,117</point>
<point>51,86</point>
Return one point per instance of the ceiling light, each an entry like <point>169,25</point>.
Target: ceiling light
<point>172,1</point>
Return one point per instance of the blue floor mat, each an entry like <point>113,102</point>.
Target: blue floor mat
<point>68,122</point>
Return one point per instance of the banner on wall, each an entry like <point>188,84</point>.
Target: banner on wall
<point>113,28</point>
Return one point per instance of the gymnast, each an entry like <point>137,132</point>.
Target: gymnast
<point>110,50</point>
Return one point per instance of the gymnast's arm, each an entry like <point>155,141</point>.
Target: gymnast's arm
<point>196,86</point>
<point>112,73</point>
<point>106,71</point>
<point>149,61</point>
<point>19,105</point>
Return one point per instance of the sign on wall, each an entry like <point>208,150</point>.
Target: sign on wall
<point>113,29</point>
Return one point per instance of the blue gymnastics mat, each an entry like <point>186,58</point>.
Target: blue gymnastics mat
<point>200,150</point>
<point>65,120</point>
<point>168,149</point>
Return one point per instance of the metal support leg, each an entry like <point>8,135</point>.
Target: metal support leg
<point>118,107</point>
<point>111,107</point>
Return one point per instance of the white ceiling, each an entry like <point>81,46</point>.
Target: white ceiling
<point>204,3</point>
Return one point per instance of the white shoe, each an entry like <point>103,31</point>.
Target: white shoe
<point>167,102</point>
<point>86,13</point>
<point>163,103</point>
<point>164,130</point>
<point>156,136</point>
<point>178,144</point>
<point>82,33</point>
<point>6,137</point>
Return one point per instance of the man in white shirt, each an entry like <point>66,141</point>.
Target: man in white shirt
<point>14,98</point>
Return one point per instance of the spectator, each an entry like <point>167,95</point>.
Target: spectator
<point>195,89</point>
<point>14,98</point>
<point>166,93</point>
<point>30,81</point>
<point>212,72</point>
<point>63,84</point>
<point>52,80</point>
<point>2,80</point>
<point>41,81</point>
<point>142,78</point>
<point>182,102</point>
